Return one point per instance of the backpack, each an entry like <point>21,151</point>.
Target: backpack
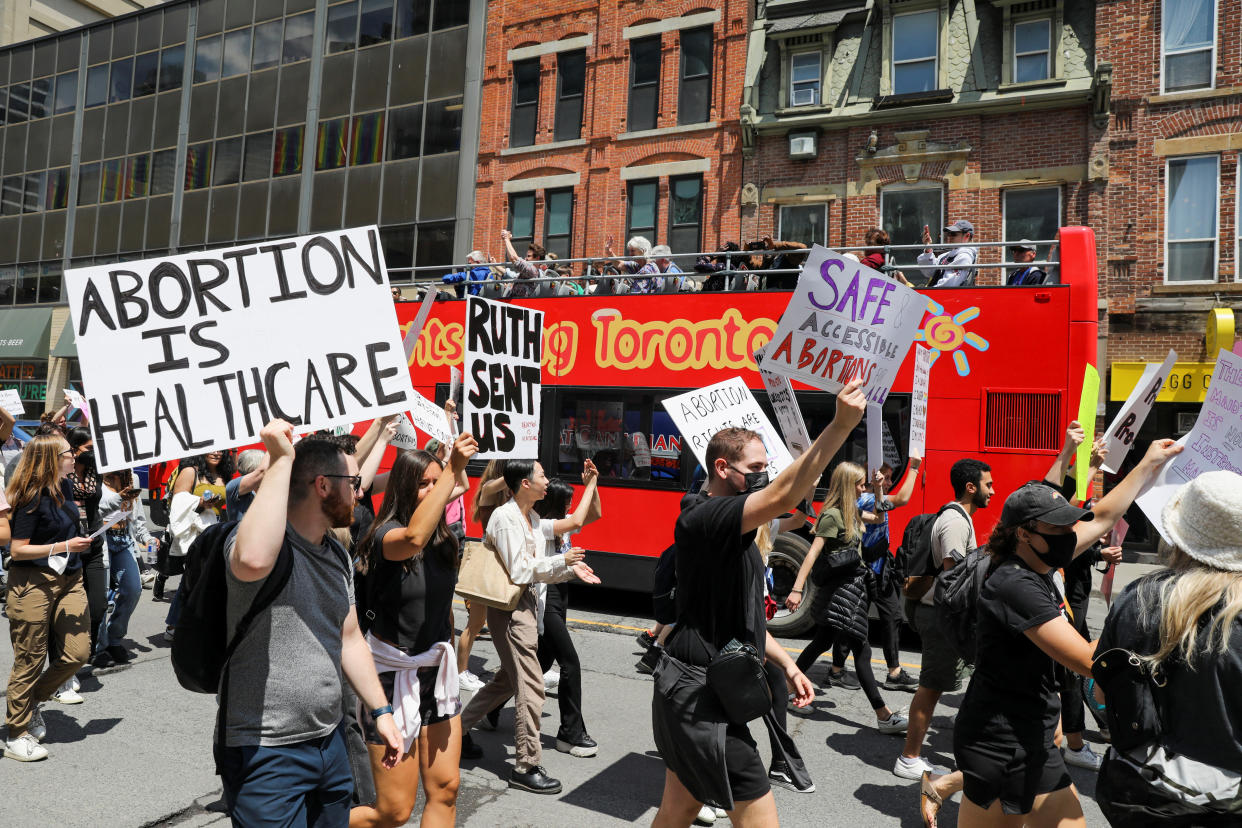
<point>664,588</point>
<point>914,556</point>
<point>201,646</point>
<point>957,601</point>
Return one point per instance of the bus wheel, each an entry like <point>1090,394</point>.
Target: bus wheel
<point>786,559</point>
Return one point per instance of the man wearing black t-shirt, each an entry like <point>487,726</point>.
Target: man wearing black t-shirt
<point>720,599</point>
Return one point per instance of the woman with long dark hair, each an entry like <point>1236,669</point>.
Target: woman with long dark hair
<point>87,490</point>
<point>46,600</point>
<point>409,558</point>
<point>198,498</point>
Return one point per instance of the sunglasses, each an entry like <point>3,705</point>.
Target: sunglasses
<point>355,480</point>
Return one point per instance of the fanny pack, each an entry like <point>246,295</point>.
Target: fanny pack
<point>737,678</point>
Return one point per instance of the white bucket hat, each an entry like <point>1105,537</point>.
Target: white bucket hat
<point>1204,519</point>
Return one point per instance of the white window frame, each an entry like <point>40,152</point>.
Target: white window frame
<point>1164,17</point>
<point>819,79</point>
<point>1047,51</point>
<point>894,62</point>
<point>780,219</point>
<point>1214,239</point>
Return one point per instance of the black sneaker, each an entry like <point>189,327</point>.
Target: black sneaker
<point>469,750</point>
<point>535,780</point>
<point>648,662</point>
<point>843,679</point>
<point>901,681</point>
<point>102,660</point>
<point>582,747</point>
<point>781,775</point>
<point>645,639</point>
<point>157,589</point>
<point>119,654</point>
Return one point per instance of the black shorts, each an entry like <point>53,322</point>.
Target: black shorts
<point>1004,769</point>
<point>426,703</point>
<point>747,775</point>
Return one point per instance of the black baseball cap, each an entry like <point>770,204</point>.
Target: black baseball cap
<point>1039,501</point>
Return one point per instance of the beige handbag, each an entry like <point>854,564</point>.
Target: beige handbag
<point>482,577</point>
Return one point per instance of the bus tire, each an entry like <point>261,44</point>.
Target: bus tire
<point>786,559</point>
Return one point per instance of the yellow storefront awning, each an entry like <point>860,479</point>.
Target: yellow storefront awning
<point>67,344</point>
<point>1187,383</point>
<point>25,333</point>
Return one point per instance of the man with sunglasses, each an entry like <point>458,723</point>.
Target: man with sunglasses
<point>949,269</point>
<point>281,747</point>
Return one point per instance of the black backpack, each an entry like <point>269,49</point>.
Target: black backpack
<point>914,556</point>
<point>201,644</point>
<point>664,588</point>
<point>957,600</point>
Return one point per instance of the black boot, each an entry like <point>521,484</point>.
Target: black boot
<point>535,780</point>
<point>469,750</point>
<point>157,589</point>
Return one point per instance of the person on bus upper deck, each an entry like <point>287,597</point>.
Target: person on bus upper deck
<point>663,264</point>
<point>525,268</point>
<point>948,270</point>
<point>876,240</point>
<point>1024,252</point>
<point>477,273</point>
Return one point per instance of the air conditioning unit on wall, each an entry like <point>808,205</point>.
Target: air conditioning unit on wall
<point>802,145</point>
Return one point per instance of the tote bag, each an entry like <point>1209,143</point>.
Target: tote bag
<point>482,577</point>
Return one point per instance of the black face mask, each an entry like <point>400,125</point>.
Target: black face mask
<point>1060,549</point>
<point>87,458</point>
<point>754,480</point>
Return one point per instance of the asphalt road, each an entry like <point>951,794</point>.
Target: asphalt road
<point>137,752</point>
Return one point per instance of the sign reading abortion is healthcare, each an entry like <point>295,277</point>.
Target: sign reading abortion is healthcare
<point>188,354</point>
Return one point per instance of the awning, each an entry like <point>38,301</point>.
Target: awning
<point>67,345</point>
<point>25,333</point>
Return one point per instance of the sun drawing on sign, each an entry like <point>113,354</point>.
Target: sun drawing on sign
<point>944,333</point>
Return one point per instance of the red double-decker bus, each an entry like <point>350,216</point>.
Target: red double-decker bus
<point>1006,378</point>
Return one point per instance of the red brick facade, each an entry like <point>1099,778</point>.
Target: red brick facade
<point>599,196</point>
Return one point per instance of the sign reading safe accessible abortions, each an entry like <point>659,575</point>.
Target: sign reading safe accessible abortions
<point>187,354</point>
<point>845,321</point>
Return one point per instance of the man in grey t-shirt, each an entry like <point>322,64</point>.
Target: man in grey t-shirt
<point>282,754</point>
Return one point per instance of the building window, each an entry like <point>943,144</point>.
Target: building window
<point>1189,40</point>
<point>570,83</point>
<point>1191,198</point>
<point>685,213</point>
<point>915,38</point>
<point>558,220</point>
<point>805,76</point>
<point>522,220</point>
<point>525,103</point>
<point>642,203</point>
<point>1032,213</point>
<point>644,83</point>
<point>806,223</point>
<point>1032,50</point>
<point>694,103</point>
<point>904,211</point>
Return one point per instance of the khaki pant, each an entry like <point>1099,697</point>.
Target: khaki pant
<point>516,637</point>
<point>39,602</point>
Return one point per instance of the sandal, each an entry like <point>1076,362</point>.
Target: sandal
<point>929,801</point>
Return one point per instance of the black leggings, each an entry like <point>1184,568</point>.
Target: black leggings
<point>824,638</point>
<point>888,606</point>
<point>556,645</point>
<point>95,580</point>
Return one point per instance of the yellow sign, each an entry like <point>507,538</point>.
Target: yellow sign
<point>1220,330</point>
<point>1087,403</point>
<point>1188,381</point>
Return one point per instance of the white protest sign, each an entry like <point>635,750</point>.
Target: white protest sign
<point>193,353</point>
<point>430,418</point>
<point>875,438</point>
<point>1214,443</point>
<point>504,351</point>
<point>918,401</point>
<point>785,404</point>
<point>416,327</point>
<point>11,401</point>
<point>1125,426</point>
<point>76,403</point>
<point>109,520</point>
<point>406,437</point>
<point>844,322</point>
<point>701,413</point>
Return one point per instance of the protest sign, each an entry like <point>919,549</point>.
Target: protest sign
<point>1118,537</point>
<point>186,354</point>
<point>844,322</point>
<point>1086,417</point>
<point>11,401</point>
<point>699,414</point>
<point>918,401</point>
<point>504,350</point>
<point>416,326</point>
<point>76,403</point>
<point>1124,427</point>
<point>430,418</point>
<point>785,404</point>
<point>875,439</point>
<point>1214,443</point>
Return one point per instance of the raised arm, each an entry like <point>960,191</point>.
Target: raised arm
<point>370,465</point>
<point>580,515</point>
<point>509,251</point>
<point>262,530</point>
<point>1109,509</point>
<point>248,483</point>
<point>371,436</point>
<point>401,544</point>
<point>7,421</point>
<point>903,495</point>
<point>1074,435</point>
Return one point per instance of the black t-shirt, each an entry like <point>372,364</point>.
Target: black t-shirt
<point>1204,713</point>
<point>719,580</point>
<point>412,602</point>
<point>47,523</point>
<point>1012,676</point>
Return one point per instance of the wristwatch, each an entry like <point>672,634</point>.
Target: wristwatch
<point>380,711</point>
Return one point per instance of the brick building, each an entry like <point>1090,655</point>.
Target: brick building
<point>611,119</point>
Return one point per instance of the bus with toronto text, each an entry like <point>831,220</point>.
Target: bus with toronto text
<point>1005,381</point>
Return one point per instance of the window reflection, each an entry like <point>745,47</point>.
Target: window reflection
<point>146,73</point>
<point>287,151</point>
<point>207,59</point>
<point>267,45</point>
<point>236,53</point>
<point>331,146</point>
<point>120,86</point>
<point>299,35</point>
<point>405,131</point>
<point>342,27</point>
<point>172,68</point>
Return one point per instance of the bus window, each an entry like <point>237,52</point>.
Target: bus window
<point>627,434</point>
<point>665,445</point>
<point>818,410</point>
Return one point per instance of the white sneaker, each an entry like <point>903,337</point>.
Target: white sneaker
<point>1083,758</point>
<point>37,728</point>
<point>914,769</point>
<point>67,694</point>
<point>148,578</point>
<point>721,813</point>
<point>77,685</point>
<point>551,679</point>
<point>707,816</point>
<point>467,680</point>
<point>896,723</point>
<point>25,749</point>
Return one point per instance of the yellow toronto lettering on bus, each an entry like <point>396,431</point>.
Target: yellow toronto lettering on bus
<point>679,344</point>
<point>560,348</point>
<point>442,343</point>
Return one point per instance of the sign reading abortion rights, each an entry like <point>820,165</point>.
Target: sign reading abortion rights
<point>701,413</point>
<point>845,321</point>
<point>187,354</point>
<point>504,351</point>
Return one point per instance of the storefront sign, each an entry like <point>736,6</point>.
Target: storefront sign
<point>1187,383</point>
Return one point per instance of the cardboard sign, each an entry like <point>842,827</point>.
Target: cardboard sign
<point>504,350</point>
<point>701,413</point>
<point>1124,427</point>
<point>1214,443</point>
<point>785,404</point>
<point>845,321</point>
<point>11,401</point>
<point>1086,417</point>
<point>193,353</point>
<point>1118,537</point>
<point>875,439</point>
<point>918,401</point>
